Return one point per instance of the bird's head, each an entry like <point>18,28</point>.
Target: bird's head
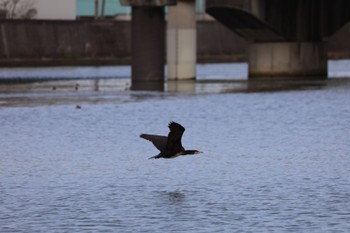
<point>192,152</point>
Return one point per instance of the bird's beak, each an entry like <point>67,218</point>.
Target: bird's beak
<point>198,152</point>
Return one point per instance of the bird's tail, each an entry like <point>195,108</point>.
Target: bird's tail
<point>155,157</point>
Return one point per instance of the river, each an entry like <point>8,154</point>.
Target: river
<point>276,157</point>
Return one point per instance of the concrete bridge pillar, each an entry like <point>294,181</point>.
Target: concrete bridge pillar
<point>182,40</point>
<point>147,42</point>
<point>271,59</point>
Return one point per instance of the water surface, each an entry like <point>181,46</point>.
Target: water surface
<point>275,160</point>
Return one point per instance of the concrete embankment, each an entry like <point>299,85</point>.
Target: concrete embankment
<point>107,42</point>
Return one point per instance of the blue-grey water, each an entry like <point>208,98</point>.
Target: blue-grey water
<point>276,159</point>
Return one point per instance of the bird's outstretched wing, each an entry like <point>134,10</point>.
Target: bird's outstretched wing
<point>174,137</point>
<point>158,141</point>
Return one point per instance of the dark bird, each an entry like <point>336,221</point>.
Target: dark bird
<point>170,147</point>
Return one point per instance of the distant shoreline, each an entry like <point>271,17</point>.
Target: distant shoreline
<point>108,61</point>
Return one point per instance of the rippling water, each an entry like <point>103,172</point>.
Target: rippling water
<point>274,161</point>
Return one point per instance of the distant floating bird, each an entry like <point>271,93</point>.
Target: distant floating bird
<point>170,147</point>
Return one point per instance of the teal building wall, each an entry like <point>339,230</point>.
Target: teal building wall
<point>86,8</point>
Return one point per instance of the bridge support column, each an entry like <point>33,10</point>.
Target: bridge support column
<point>148,43</point>
<point>181,40</point>
<point>287,59</point>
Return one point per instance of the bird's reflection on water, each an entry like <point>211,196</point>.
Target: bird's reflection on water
<point>172,196</point>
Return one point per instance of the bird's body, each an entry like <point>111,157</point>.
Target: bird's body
<point>169,146</point>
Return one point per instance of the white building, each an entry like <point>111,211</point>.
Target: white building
<point>55,9</point>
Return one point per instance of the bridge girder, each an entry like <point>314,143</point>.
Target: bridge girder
<point>287,20</point>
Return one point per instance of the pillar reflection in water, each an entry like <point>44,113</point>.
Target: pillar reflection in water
<point>284,84</point>
<point>157,85</point>
<point>188,86</point>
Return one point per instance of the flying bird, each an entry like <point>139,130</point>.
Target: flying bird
<point>170,147</point>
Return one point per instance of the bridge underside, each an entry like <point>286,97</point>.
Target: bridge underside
<point>287,37</point>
